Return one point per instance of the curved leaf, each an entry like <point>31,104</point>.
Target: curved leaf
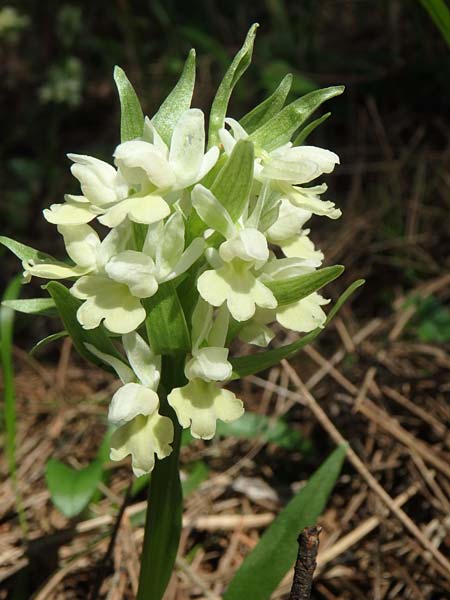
<point>178,101</point>
<point>279,129</point>
<point>268,108</point>
<point>235,71</point>
<point>308,129</point>
<point>293,289</point>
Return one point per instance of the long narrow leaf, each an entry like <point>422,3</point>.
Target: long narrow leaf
<point>6,337</point>
<point>248,365</point>
<point>308,129</point>
<point>47,340</point>
<point>293,289</point>
<point>264,568</point>
<point>235,71</point>
<point>440,13</point>
<point>280,128</point>
<point>27,252</point>
<point>178,101</point>
<point>132,117</point>
<point>32,306</point>
<point>268,108</point>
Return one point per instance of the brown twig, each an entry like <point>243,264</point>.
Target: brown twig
<point>308,546</point>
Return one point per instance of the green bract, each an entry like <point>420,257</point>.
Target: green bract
<point>206,241</point>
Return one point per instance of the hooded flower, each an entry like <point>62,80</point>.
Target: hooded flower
<point>149,164</point>
<point>102,186</point>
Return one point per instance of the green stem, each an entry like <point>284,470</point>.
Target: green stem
<point>164,514</point>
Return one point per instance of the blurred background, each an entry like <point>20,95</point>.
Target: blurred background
<point>391,131</point>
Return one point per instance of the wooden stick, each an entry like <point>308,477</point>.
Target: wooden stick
<point>308,546</point>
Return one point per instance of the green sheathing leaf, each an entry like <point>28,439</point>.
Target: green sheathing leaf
<point>132,117</point>
<point>166,325</point>
<point>264,568</point>
<point>33,306</point>
<point>67,307</point>
<point>177,102</point>
<point>233,184</point>
<point>27,252</point>
<point>280,128</point>
<point>270,107</point>
<point>235,71</point>
<point>71,490</point>
<point>293,289</point>
<point>248,365</point>
<point>308,129</point>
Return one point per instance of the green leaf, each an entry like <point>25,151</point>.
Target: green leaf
<point>264,568</point>
<point>9,393</point>
<point>198,473</point>
<point>279,129</point>
<point>67,307</point>
<point>132,117</point>
<point>248,365</point>
<point>47,340</point>
<point>233,184</point>
<point>270,107</point>
<point>293,289</point>
<point>166,325</point>
<point>255,426</point>
<point>235,71</point>
<point>440,13</point>
<point>27,252</point>
<point>33,306</point>
<point>308,129</point>
<point>71,490</point>
<point>177,102</point>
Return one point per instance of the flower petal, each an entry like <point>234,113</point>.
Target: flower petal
<point>209,364</point>
<point>143,437</point>
<point>304,315</point>
<point>199,404</point>
<point>69,214</point>
<point>135,270</point>
<point>142,209</point>
<point>187,147</point>
<point>130,400</point>
<point>146,365</point>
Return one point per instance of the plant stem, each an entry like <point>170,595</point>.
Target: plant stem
<point>164,512</point>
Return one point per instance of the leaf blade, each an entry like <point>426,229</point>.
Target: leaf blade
<point>293,289</point>
<point>264,568</point>
<point>178,101</point>
<point>132,117</point>
<point>235,71</point>
<point>268,108</point>
<point>280,128</point>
